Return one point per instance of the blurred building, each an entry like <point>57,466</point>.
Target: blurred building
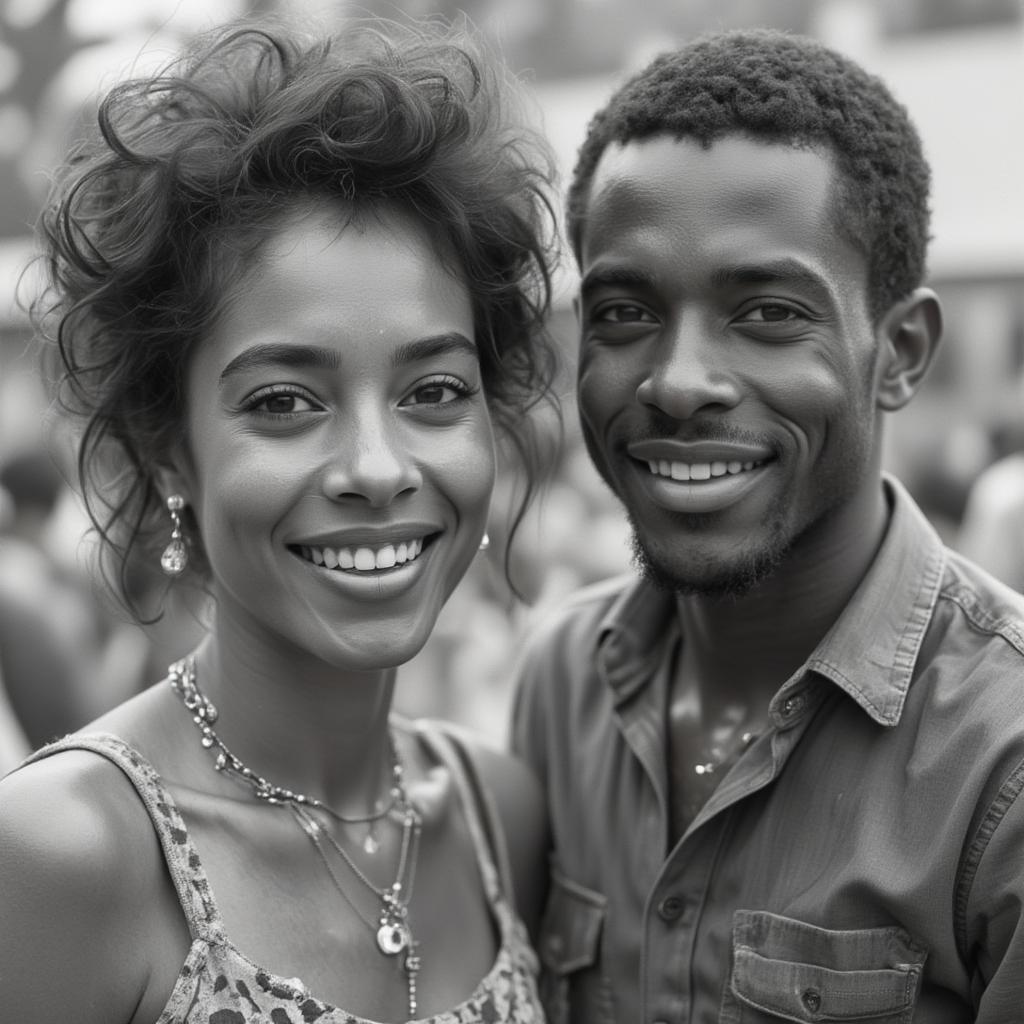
<point>958,65</point>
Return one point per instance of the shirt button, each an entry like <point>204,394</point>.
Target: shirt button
<point>811,998</point>
<point>791,705</point>
<point>671,908</point>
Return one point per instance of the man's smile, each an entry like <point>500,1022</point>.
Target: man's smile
<point>689,471</point>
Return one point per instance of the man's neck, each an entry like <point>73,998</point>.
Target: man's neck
<point>737,652</point>
<point>741,649</point>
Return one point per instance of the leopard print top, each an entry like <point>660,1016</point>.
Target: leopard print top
<point>218,984</point>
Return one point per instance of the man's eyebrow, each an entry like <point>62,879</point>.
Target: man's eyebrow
<point>616,277</point>
<point>770,272</point>
<point>436,345</point>
<point>272,354</point>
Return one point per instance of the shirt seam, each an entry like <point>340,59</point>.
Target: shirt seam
<point>970,862</point>
<point>965,598</point>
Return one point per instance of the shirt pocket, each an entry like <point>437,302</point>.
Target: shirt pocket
<point>573,987</point>
<point>786,970</point>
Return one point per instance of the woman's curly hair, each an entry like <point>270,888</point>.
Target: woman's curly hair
<point>790,89</point>
<point>160,210</point>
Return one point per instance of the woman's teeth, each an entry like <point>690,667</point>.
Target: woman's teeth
<point>364,559</point>
<point>698,470</point>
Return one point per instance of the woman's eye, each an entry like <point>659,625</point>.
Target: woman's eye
<point>281,403</point>
<point>438,392</point>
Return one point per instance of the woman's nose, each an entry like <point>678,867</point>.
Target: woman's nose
<point>371,462</point>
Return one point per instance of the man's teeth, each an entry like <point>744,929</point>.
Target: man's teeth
<point>697,470</point>
<point>364,559</point>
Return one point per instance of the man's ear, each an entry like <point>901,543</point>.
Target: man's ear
<point>908,337</point>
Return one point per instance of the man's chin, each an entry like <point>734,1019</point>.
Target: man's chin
<point>719,581</point>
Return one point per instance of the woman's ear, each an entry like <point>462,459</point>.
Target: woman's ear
<point>172,476</point>
<point>908,338</point>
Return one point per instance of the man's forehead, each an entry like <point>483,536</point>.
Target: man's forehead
<point>736,179</point>
<point>635,164</point>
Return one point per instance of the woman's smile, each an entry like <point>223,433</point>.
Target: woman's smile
<point>364,559</point>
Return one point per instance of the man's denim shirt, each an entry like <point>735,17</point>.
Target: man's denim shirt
<point>863,861</point>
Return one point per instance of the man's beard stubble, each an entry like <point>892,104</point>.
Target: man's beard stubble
<point>730,581</point>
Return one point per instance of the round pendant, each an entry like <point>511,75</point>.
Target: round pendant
<point>392,938</point>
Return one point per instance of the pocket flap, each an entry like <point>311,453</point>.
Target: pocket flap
<point>802,973</point>
<point>570,932</point>
<point>808,994</point>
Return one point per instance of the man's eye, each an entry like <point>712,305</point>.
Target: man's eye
<point>624,314</point>
<point>771,313</point>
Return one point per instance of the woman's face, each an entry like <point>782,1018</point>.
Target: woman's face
<point>340,458</point>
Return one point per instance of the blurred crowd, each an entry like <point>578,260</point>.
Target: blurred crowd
<point>67,653</point>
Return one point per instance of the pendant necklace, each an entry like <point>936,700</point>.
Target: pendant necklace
<point>392,931</point>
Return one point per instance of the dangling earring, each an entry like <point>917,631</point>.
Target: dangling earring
<point>485,542</point>
<point>175,556</point>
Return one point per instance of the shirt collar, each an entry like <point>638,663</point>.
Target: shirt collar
<point>633,635</point>
<point>869,652</point>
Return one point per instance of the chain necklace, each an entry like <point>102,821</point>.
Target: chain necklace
<point>719,758</point>
<point>392,927</point>
<point>182,675</point>
<point>393,933</point>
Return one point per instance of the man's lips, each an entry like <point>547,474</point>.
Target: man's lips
<point>698,460</point>
<point>699,471</point>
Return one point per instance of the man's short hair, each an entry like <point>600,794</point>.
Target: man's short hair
<point>776,87</point>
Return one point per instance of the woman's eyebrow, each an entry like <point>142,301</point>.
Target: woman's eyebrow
<point>436,345</point>
<point>270,354</point>
<point>320,357</point>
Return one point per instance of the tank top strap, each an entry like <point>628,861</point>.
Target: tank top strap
<point>481,813</point>
<point>183,862</point>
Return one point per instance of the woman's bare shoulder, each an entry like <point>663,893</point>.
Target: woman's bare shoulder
<point>78,859</point>
<point>519,800</point>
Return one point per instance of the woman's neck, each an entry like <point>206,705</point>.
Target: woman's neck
<point>298,721</point>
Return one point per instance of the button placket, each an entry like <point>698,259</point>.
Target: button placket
<point>671,908</point>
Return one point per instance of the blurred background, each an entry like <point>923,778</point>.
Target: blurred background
<point>958,65</point>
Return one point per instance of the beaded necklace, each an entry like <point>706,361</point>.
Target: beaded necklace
<point>392,930</point>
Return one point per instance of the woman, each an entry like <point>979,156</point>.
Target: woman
<point>301,291</point>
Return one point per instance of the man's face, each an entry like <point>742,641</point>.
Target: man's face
<point>727,371</point>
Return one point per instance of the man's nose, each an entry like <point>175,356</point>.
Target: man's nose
<point>690,371</point>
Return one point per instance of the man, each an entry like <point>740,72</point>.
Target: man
<point>784,763</point>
